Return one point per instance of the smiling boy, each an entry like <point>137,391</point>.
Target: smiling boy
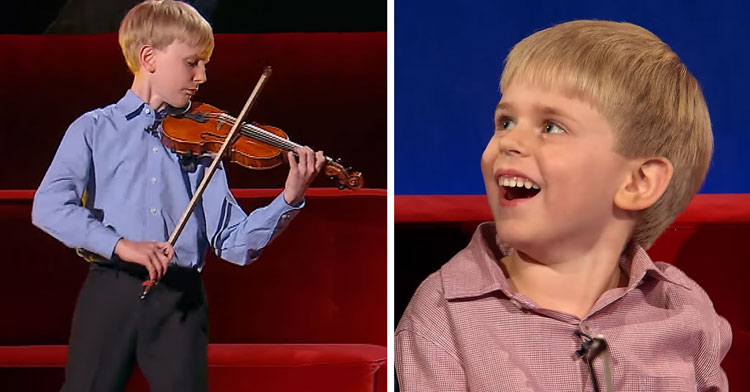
<point>136,191</point>
<point>601,139</point>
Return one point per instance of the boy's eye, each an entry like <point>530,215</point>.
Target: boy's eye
<point>553,128</point>
<point>505,124</point>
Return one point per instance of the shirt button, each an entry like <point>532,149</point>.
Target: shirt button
<point>147,110</point>
<point>153,211</point>
<point>153,180</point>
<point>515,303</point>
<point>155,149</point>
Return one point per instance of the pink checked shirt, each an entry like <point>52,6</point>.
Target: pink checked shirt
<point>465,330</point>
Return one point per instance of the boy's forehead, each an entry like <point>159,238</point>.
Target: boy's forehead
<point>547,97</point>
<point>188,49</point>
<point>551,103</point>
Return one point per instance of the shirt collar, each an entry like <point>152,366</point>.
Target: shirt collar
<point>637,263</point>
<point>130,105</point>
<point>475,270</point>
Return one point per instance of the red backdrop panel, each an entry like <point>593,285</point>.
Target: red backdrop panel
<point>328,90</point>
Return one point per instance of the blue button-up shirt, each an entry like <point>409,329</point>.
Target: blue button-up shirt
<point>136,189</point>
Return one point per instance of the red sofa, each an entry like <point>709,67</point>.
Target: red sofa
<point>310,314</point>
<point>707,241</point>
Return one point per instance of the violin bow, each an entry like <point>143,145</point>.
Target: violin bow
<point>147,285</point>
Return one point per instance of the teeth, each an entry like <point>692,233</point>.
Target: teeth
<point>518,182</point>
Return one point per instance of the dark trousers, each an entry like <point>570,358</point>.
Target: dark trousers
<point>166,333</point>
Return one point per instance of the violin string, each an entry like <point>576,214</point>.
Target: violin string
<point>259,133</point>
<point>270,137</point>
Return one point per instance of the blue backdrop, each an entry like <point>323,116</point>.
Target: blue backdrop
<point>449,56</point>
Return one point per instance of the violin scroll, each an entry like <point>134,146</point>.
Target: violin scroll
<point>344,176</point>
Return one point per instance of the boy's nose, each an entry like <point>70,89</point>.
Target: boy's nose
<point>200,75</point>
<point>515,141</point>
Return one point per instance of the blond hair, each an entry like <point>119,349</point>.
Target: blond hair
<point>158,23</point>
<point>638,83</point>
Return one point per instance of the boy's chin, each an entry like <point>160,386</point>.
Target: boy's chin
<point>514,236</point>
<point>178,103</point>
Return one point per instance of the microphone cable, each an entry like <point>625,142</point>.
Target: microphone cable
<point>592,348</point>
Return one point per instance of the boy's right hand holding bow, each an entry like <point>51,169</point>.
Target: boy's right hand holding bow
<point>154,256</point>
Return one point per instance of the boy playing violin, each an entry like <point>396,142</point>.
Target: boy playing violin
<point>135,192</point>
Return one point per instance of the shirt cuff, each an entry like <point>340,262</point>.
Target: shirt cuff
<point>285,213</point>
<point>103,242</point>
<point>286,206</point>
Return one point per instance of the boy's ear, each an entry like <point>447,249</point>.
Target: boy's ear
<point>147,59</point>
<point>646,182</point>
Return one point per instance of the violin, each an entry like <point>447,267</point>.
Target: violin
<point>199,129</point>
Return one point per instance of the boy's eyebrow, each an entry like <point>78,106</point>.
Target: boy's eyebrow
<point>198,58</point>
<point>503,106</point>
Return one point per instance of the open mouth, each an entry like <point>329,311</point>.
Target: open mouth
<point>516,187</point>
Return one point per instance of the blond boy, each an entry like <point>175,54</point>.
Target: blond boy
<point>136,190</point>
<point>601,139</point>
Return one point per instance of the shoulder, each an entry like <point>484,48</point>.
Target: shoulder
<point>683,293</point>
<point>471,272</point>
<point>99,115</point>
<point>681,286</point>
<point>88,122</point>
<point>426,307</point>
<point>710,332</point>
<point>426,356</point>
<point>427,316</point>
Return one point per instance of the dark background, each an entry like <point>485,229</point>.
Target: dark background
<point>226,16</point>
